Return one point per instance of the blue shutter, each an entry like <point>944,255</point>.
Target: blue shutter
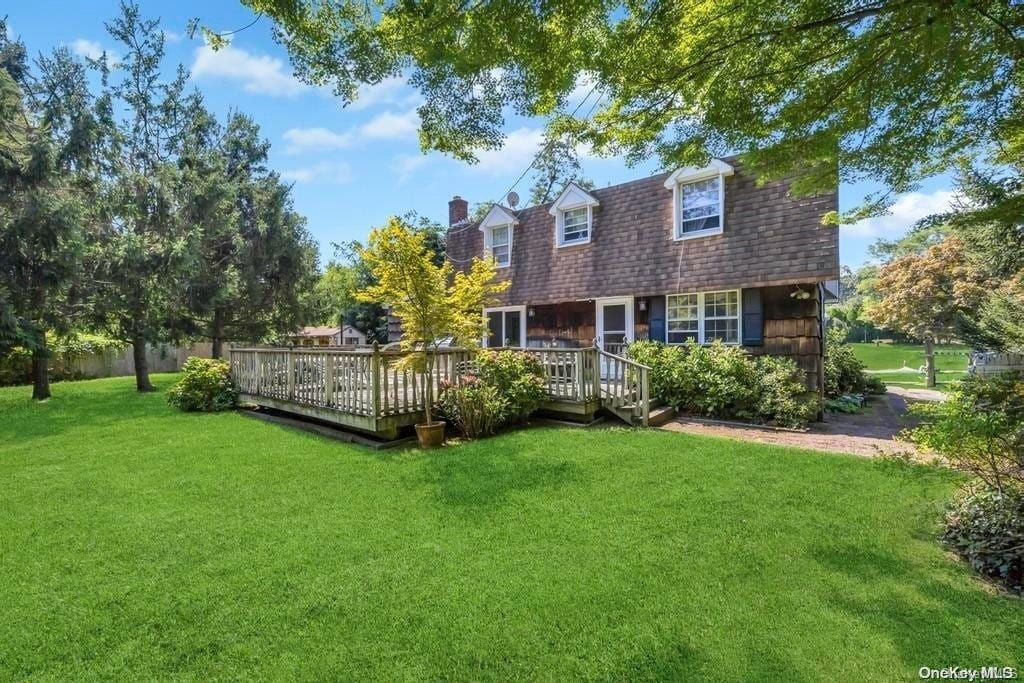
<point>753,318</point>
<point>656,313</point>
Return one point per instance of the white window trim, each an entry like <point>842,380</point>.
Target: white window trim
<point>560,228</point>
<point>691,174</point>
<point>573,197</point>
<point>504,336</point>
<point>489,244</point>
<point>498,217</point>
<point>700,317</point>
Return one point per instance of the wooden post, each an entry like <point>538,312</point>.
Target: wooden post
<point>375,381</point>
<point>290,377</point>
<point>259,372</point>
<point>329,378</point>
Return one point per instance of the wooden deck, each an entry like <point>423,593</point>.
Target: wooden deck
<point>368,391</point>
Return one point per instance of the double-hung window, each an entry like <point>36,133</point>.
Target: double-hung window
<point>700,207</point>
<point>683,319</point>
<point>500,248</point>
<point>575,225</point>
<point>722,317</point>
<point>703,317</point>
<point>698,196</point>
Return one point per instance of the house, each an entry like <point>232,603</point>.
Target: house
<point>698,253</point>
<point>328,336</point>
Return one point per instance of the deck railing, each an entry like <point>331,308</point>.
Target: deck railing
<point>371,383</point>
<point>625,385</point>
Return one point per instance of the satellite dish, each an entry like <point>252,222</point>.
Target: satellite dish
<point>513,199</point>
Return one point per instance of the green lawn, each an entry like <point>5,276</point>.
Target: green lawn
<point>886,359</point>
<point>140,542</point>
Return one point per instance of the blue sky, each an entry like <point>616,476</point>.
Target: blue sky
<point>353,167</point>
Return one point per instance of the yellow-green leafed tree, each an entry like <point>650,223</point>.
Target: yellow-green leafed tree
<point>433,301</point>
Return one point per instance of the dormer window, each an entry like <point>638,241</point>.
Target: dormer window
<point>698,200</point>
<point>500,246</point>
<point>498,227</point>
<point>576,225</point>
<point>574,216</point>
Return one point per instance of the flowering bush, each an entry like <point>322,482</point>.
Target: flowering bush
<point>472,406</point>
<point>505,388</point>
<point>205,386</point>
<point>723,381</point>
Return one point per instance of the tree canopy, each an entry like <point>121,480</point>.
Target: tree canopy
<point>892,90</point>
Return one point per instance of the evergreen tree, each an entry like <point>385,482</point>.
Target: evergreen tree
<point>141,251</point>
<point>46,170</point>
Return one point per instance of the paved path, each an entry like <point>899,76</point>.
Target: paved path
<point>869,433</point>
<point>918,394</point>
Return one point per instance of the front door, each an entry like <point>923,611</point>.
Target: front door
<point>614,326</point>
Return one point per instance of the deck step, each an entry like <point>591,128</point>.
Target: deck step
<point>661,415</point>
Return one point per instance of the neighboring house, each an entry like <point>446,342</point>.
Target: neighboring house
<point>700,253</point>
<point>328,336</point>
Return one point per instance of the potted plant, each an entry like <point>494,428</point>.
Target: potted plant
<point>434,303</point>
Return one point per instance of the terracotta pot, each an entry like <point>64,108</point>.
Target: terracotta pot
<point>430,435</point>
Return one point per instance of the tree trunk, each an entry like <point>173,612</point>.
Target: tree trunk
<point>40,371</point>
<point>218,333</point>
<point>929,360</point>
<point>142,382</point>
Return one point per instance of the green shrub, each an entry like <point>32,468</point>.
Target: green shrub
<point>843,404</point>
<point>16,367</point>
<point>979,428</point>
<point>986,527</point>
<point>844,372</point>
<point>725,382</point>
<point>471,406</point>
<point>783,398</point>
<point>505,388</point>
<point>205,386</point>
<point>518,377</point>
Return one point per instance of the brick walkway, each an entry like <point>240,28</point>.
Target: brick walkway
<point>868,433</point>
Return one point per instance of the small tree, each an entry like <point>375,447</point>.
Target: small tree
<point>924,294</point>
<point>432,300</point>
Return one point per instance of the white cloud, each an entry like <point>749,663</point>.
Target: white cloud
<point>172,36</point>
<point>304,139</point>
<point>391,126</point>
<point>259,74</point>
<point>407,164</point>
<point>335,172</point>
<point>906,211</point>
<point>392,90</point>
<point>92,50</point>
<point>521,146</point>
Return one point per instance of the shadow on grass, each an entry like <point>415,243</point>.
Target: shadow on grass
<point>481,477</point>
<point>925,618</point>
<point>111,401</point>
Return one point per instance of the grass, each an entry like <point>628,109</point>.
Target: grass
<point>140,542</point>
<point>887,359</point>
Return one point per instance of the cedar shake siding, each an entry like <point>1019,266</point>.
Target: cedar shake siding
<point>769,239</point>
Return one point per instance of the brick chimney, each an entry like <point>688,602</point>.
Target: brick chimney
<point>458,210</point>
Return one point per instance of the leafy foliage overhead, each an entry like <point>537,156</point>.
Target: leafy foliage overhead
<point>894,90</point>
